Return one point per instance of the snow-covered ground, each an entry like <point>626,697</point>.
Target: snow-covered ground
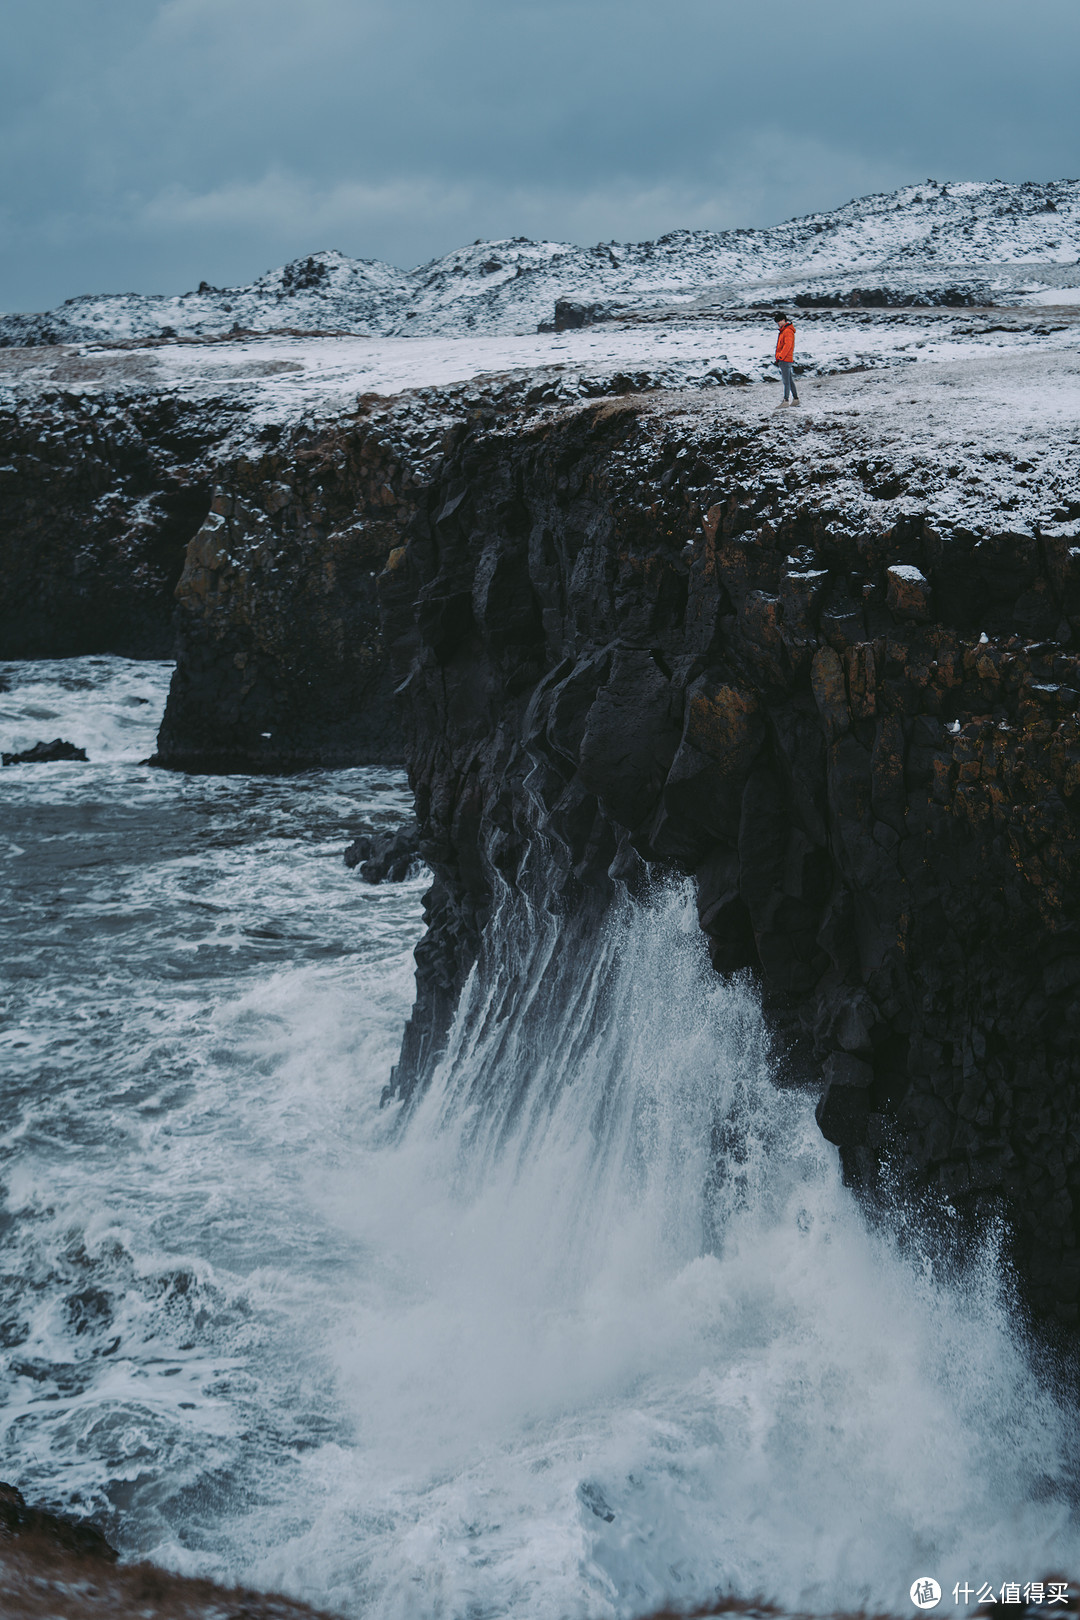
<point>281,379</point>
<point>981,441</point>
<point>975,242</point>
<point>946,385</point>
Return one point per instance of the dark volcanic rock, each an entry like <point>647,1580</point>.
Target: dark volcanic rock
<point>385,857</point>
<point>99,497</point>
<point>279,651</point>
<point>571,315</point>
<point>628,638</point>
<point>281,661</point>
<point>76,1536</point>
<point>44,753</point>
<point>893,298</point>
<point>268,600</point>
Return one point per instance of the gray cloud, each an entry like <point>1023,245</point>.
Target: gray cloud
<point>146,144</point>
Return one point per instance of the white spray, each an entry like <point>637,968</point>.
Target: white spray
<point>596,1374</point>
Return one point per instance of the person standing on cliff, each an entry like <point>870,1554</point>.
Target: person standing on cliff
<point>785,356</point>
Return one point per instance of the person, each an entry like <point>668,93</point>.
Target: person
<point>785,356</point>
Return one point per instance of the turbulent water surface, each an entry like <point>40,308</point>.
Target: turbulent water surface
<point>536,1351</point>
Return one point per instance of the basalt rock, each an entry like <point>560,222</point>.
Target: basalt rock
<point>385,857</point>
<point>99,497</point>
<point>281,660</point>
<point>44,753</point>
<point>635,639</point>
<point>279,655</point>
<point>146,512</point>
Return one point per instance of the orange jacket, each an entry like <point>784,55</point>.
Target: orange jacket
<point>785,342</point>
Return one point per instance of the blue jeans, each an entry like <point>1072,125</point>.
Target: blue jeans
<point>787,371</point>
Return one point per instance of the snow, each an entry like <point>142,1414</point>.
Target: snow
<point>976,407</point>
<point>977,421</point>
<point>1056,295</point>
<point>908,573</point>
<point>281,379</point>
<point>982,242</point>
<point>982,443</point>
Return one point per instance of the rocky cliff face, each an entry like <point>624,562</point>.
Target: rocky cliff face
<point>99,496</point>
<point>110,456</point>
<point>279,656</point>
<point>834,681</point>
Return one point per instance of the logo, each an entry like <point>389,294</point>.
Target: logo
<point>925,1592</point>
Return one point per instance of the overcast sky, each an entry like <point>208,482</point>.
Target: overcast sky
<point>149,144</point>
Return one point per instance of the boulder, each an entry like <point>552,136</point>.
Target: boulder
<point>908,592</point>
<point>571,315</point>
<point>385,857</point>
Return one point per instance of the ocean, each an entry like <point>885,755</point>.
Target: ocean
<point>593,1327</point>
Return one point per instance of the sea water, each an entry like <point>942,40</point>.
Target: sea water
<point>596,1327</point>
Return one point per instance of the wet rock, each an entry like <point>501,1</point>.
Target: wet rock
<point>44,753</point>
<point>386,857</point>
<point>844,1108</point>
<point>65,1534</point>
<point>60,1566</point>
<point>358,851</point>
<point>594,1499</point>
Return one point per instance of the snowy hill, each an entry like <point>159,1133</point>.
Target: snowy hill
<point>968,242</point>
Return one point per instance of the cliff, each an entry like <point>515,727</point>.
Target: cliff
<point>319,450</point>
<point>279,656</point>
<point>281,662</point>
<point>824,664</point>
<point>99,496</point>
<point>231,505</point>
<point>279,647</point>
